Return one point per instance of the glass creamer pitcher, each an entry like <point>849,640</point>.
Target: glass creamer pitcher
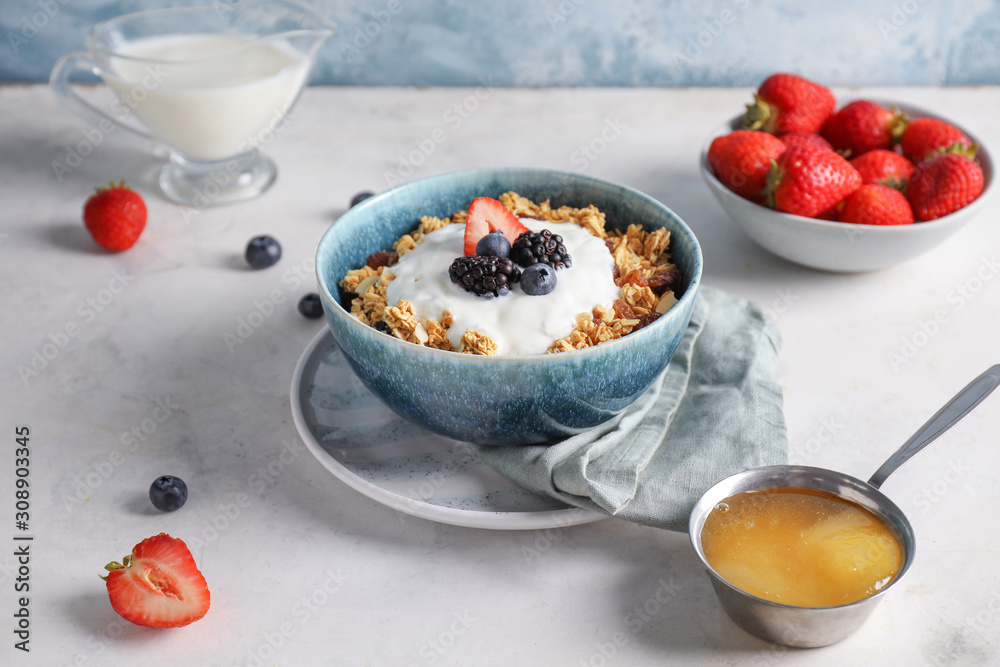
<point>211,84</point>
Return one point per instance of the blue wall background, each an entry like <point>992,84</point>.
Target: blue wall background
<point>588,42</point>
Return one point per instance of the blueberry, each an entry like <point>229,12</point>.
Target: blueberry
<point>310,306</point>
<point>494,244</point>
<point>262,252</point>
<point>360,197</point>
<point>168,493</point>
<point>538,279</point>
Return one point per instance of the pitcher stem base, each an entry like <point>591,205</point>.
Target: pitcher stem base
<point>205,184</point>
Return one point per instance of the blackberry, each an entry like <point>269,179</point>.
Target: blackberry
<point>485,276</point>
<point>544,246</point>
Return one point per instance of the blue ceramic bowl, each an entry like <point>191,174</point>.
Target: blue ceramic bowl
<point>501,399</point>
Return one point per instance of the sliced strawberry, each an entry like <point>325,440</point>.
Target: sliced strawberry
<point>487,215</point>
<point>158,585</point>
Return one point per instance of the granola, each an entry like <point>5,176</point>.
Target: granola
<point>643,273</point>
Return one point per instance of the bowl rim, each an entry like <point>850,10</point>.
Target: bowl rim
<point>699,515</point>
<point>694,282</point>
<point>957,218</point>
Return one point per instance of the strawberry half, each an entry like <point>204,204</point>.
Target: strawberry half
<point>158,585</point>
<point>487,215</point>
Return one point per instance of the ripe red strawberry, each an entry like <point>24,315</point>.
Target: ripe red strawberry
<point>925,137</point>
<point>789,103</point>
<point>862,126</point>
<point>807,180</point>
<point>943,184</point>
<point>158,585</point>
<point>115,216</point>
<point>487,215</point>
<point>798,138</point>
<point>742,159</point>
<point>877,205</point>
<point>884,168</point>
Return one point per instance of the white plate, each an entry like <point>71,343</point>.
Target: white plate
<point>401,465</point>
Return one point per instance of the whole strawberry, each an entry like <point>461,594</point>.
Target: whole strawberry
<point>877,205</point>
<point>115,216</point>
<point>742,159</point>
<point>789,103</point>
<point>925,137</point>
<point>943,184</point>
<point>808,180</point>
<point>862,126</point>
<point>884,167</point>
<point>798,138</point>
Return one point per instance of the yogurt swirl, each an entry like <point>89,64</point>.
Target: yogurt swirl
<point>520,324</point>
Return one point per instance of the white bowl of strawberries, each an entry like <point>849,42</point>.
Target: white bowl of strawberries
<point>864,187</point>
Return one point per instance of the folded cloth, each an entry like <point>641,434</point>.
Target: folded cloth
<point>716,410</point>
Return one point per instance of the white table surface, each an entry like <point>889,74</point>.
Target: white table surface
<point>403,590</point>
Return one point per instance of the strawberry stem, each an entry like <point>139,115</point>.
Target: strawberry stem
<point>960,148</point>
<point>773,179</point>
<point>898,124</point>
<point>757,114</point>
<point>115,565</point>
<point>112,186</point>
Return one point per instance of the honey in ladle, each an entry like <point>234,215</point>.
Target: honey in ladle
<point>801,547</point>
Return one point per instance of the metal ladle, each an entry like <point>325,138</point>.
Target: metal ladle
<point>808,627</point>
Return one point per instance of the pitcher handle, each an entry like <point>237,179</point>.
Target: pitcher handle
<point>59,80</point>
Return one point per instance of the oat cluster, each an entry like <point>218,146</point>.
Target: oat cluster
<point>643,272</point>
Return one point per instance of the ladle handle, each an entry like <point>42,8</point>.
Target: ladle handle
<point>953,412</point>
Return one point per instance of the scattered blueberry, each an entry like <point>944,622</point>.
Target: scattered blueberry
<point>262,252</point>
<point>538,279</point>
<point>310,306</point>
<point>494,244</point>
<point>168,493</point>
<point>360,197</point>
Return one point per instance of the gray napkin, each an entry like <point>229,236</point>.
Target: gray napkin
<point>715,410</point>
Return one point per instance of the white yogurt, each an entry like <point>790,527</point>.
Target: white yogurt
<point>519,323</point>
<point>231,98</point>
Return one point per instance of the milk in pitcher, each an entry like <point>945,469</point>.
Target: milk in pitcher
<point>210,97</point>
